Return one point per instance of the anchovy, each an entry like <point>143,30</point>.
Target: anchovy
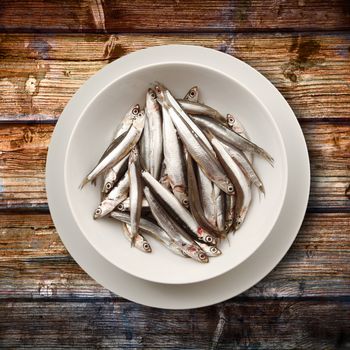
<point>195,203</point>
<point>154,119</point>
<point>135,192</point>
<point>173,159</point>
<point>113,198</point>
<point>120,151</point>
<point>205,186</point>
<point>231,137</point>
<point>183,215</point>
<point>241,184</point>
<point>141,242</point>
<point>242,161</point>
<point>238,127</point>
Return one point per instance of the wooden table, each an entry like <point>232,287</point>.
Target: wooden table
<point>47,51</point>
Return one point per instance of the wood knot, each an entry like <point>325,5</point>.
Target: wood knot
<point>31,85</point>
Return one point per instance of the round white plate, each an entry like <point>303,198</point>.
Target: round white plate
<point>231,283</point>
<point>95,116</point>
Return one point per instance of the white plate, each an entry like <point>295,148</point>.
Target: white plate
<point>109,94</point>
<point>234,281</point>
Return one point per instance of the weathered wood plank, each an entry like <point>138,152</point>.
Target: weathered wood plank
<point>24,148</point>
<point>35,264</point>
<point>40,73</point>
<point>239,325</point>
<point>178,16</point>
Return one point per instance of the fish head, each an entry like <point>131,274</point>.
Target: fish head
<point>142,244</point>
<point>139,120</point>
<point>109,182</point>
<point>151,95</point>
<point>135,110</point>
<point>230,120</point>
<point>104,208</point>
<point>192,95</point>
<point>214,251</point>
<point>121,207</point>
<point>180,195</point>
<point>160,91</point>
<point>196,253</point>
<point>205,236</point>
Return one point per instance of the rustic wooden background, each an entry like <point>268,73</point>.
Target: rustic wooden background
<point>49,48</point>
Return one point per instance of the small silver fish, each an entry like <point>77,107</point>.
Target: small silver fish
<point>195,203</point>
<point>117,153</point>
<point>154,120</point>
<point>140,241</point>
<point>135,192</point>
<point>113,198</point>
<point>231,137</point>
<point>241,184</point>
<point>173,159</point>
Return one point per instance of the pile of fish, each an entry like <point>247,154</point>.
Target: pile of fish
<point>180,172</point>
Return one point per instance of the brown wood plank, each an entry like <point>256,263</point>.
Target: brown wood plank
<point>239,325</point>
<point>24,147</point>
<point>35,265</point>
<point>177,16</point>
<point>40,73</point>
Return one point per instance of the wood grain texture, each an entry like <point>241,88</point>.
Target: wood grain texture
<point>35,265</point>
<point>24,147</point>
<point>239,325</point>
<point>175,16</point>
<point>40,73</point>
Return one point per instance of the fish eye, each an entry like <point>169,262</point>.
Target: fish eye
<point>140,114</point>
<point>230,188</point>
<point>120,206</point>
<point>209,239</point>
<point>98,211</point>
<point>135,111</point>
<point>108,186</point>
<point>192,93</point>
<point>185,202</point>
<point>153,95</point>
<point>146,246</point>
<point>202,256</point>
<point>214,250</point>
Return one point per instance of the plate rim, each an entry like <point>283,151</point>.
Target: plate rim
<point>72,241</point>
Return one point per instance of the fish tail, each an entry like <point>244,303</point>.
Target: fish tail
<point>266,156</point>
<point>84,182</point>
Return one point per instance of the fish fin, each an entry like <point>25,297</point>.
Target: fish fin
<point>84,182</point>
<point>266,156</point>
